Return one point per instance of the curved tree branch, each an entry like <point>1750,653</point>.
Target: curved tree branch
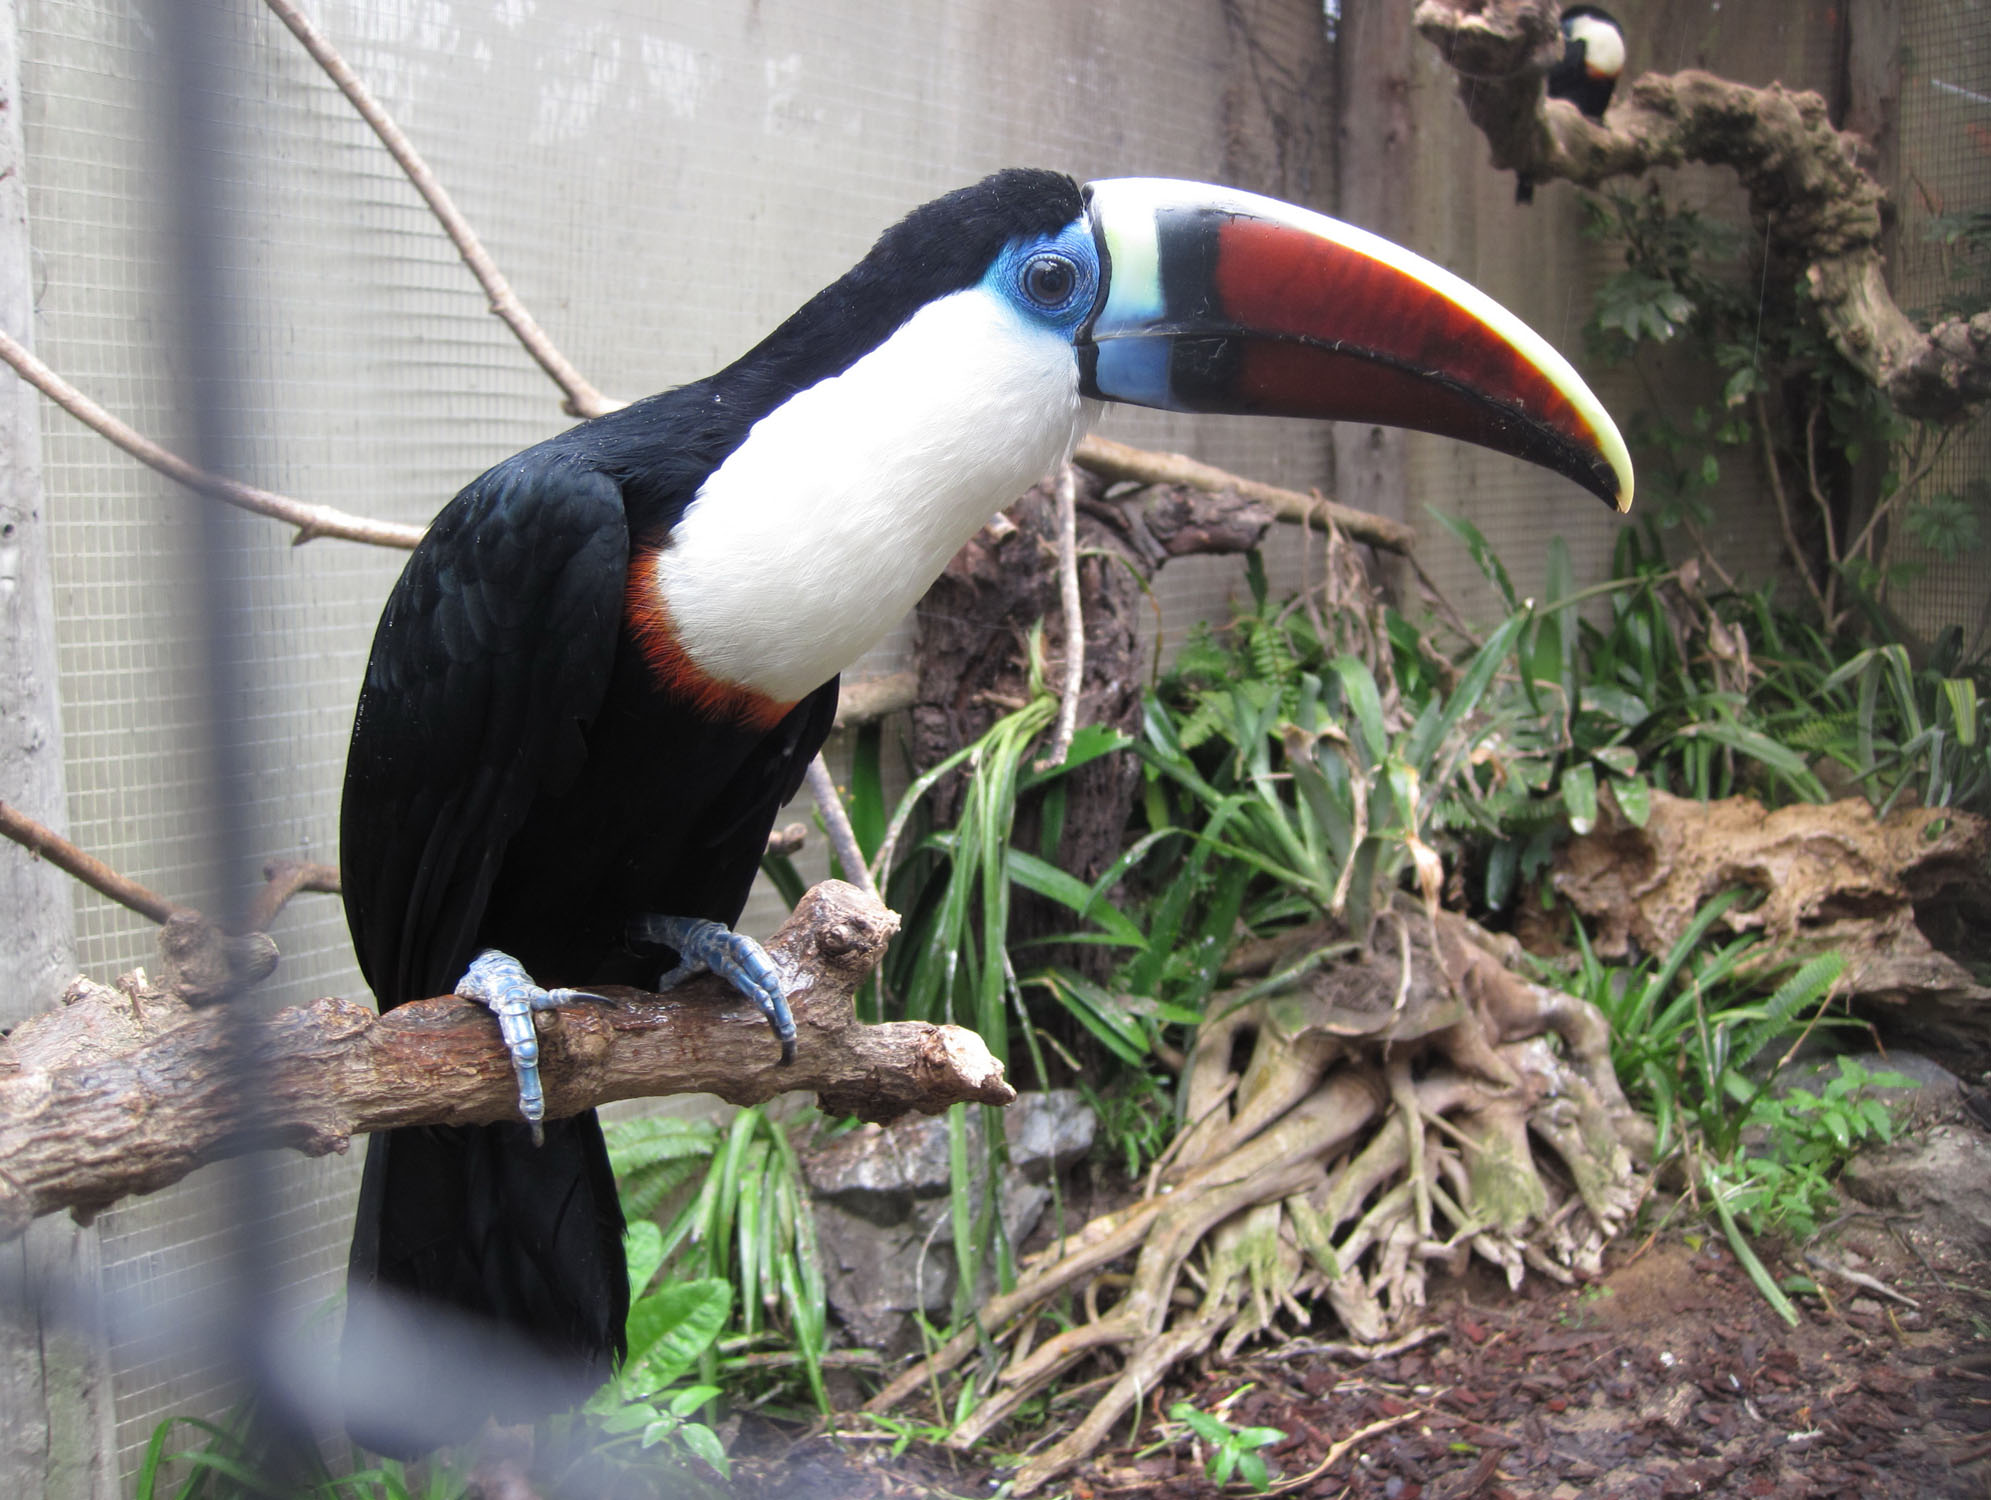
<point>582,399</point>
<point>1818,208</point>
<point>311,521</point>
<point>127,1091</point>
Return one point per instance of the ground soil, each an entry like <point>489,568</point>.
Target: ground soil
<point>1670,1377</point>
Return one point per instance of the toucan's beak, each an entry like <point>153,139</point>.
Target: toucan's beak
<point>1213,300</point>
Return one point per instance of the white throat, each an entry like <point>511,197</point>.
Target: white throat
<point>826,525</point>
<point>1603,46</point>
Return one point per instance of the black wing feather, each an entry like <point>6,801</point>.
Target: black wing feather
<point>492,658</point>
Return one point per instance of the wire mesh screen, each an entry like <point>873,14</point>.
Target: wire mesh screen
<point>661,188</point>
<point>1945,172</point>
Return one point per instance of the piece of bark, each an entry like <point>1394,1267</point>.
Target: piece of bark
<point>85,1121</point>
<point>1818,209</point>
<point>1831,878</point>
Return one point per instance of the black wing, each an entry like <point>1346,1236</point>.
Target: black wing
<point>491,660</point>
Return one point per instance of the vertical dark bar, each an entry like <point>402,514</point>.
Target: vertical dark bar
<point>202,144</point>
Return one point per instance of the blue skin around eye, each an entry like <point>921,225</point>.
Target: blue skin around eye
<point>1074,244</point>
<point>1134,370</point>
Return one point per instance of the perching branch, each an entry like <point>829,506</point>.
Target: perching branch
<point>126,1091</point>
<point>583,400</point>
<point>1817,207</point>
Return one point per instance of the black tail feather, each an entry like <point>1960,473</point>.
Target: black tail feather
<point>526,1240</point>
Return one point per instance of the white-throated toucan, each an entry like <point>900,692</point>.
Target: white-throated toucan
<point>612,656</point>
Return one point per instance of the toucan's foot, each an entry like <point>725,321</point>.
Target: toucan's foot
<point>713,947</point>
<point>500,983</point>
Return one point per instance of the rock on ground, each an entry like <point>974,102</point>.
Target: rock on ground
<point>883,1215</point>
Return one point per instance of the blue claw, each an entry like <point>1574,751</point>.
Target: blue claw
<point>714,947</point>
<point>499,982</point>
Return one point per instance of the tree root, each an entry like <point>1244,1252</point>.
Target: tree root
<point>1376,1128</point>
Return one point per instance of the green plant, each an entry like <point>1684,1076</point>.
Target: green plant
<point>1136,1118</point>
<point>1785,1187</point>
<point>234,1462</point>
<point>1689,285</point>
<point>747,1224</point>
<point>1688,1031</point>
<point>672,1331</point>
<point>1233,1450</point>
<point>1915,730</point>
<point>1319,792</point>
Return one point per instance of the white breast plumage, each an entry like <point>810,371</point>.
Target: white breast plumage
<point>825,526</point>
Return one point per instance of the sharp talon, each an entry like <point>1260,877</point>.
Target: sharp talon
<point>704,946</point>
<point>500,983</point>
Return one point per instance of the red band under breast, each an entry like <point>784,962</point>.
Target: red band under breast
<point>655,633</point>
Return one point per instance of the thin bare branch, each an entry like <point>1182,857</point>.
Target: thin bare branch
<point>582,399</point>
<point>284,878</point>
<point>1074,612</point>
<point>843,838</point>
<point>82,1125</point>
<point>1111,460</point>
<point>46,843</point>
<point>1783,504</point>
<point>311,521</point>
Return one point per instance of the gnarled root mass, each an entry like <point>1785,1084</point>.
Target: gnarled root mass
<point>1408,1110</point>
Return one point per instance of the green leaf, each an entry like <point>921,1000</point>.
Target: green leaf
<point>1359,685</point>
<point>1579,795</point>
<point>1616,703</point>
<point>1101,1013</point>
<point>1961,693</point>
<point>704,1444</point>
<point>671,1328</point>
<point>1634,796</point>
<point>1620,760</point>
<point>1047,880</point>
<point>643,1248</point>
<point>1482,553</point>
<point>683,1403</point>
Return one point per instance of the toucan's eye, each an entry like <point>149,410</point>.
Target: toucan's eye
<point>1048,280</point>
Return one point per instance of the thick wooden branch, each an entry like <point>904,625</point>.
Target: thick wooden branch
<point>1115,461</point>
<point>127,1091</point>
<point>1817,207</point>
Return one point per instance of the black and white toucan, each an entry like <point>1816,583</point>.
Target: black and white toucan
<point>612,657</point>
<point>1593,55</point>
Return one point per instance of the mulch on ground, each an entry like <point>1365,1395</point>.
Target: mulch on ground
<point>1669,1378</point>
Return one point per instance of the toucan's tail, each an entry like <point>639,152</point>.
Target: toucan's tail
<point>487,1280</point>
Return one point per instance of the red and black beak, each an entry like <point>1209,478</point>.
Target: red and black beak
<point>1213,300</point>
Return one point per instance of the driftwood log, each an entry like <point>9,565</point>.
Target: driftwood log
<point>1818,208</point>
<point>127,1089</point>
<point>1905,900</point>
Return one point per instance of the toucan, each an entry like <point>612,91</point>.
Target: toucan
<point>1593,55</point>
<point>612,657</point>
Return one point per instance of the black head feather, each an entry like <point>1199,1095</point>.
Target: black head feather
<point>661,449</point>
